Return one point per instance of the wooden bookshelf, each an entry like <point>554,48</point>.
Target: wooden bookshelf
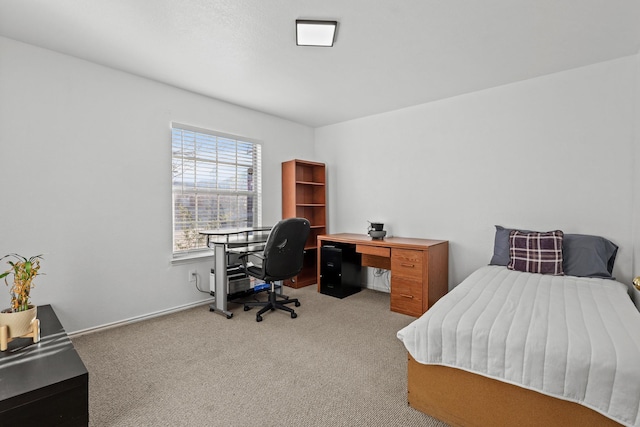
<point>304,195</point>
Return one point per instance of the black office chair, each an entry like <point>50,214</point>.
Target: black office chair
<point>282,259</point>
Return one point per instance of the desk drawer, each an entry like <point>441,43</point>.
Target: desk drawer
<point>407,263</point>
<point>406,296</point>
<point>374,250</point>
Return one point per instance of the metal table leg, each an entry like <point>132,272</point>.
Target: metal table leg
<point>220,304</point>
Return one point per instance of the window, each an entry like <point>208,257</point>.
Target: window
<point>216,183</point>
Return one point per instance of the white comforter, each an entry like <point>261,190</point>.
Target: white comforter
<point>573,338</point>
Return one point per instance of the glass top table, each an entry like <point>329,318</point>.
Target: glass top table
<point>224,241</point>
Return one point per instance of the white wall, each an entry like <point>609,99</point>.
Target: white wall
<point>555,152</point>
<point>85,178</point>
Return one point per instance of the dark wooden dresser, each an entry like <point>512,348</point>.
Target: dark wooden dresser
<point>44,383</point>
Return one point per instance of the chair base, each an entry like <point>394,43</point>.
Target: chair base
<point>272,304</point>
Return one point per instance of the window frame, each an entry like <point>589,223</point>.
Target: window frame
<point>194,191</point>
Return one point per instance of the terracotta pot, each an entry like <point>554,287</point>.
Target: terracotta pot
<point>19,323</point>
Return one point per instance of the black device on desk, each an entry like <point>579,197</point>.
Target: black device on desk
<point>340,270</point>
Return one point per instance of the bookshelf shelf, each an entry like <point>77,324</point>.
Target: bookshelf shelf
<point>304,196</point>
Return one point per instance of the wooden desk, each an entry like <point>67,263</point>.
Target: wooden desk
<point>46,383</point>
<point>419,267</point>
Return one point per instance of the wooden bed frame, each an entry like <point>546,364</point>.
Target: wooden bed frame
<point>461,398</point>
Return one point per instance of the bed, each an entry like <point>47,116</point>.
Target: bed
<point>510,347</point>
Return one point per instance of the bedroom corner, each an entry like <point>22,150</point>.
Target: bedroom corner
<point>635,226</point>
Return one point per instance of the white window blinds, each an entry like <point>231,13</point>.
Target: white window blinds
<point>216,181</point>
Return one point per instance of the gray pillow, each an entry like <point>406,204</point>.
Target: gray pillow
<point>501,246</point>
<point>583,255</point>
<point>588,256</point>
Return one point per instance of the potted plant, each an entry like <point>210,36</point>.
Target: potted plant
<point>20,316</point>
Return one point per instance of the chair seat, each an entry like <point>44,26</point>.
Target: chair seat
<point>254,271</point>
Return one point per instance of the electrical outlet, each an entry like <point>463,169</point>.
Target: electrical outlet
<point>193,275</point>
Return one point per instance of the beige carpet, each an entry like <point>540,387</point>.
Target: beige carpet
<point>338,364</point>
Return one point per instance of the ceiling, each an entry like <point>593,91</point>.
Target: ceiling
<point>389,54</point>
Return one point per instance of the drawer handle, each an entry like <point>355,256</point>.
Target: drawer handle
<point>404,264</point>
<point>406,296</point>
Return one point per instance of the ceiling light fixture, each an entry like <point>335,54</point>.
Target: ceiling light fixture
<point>315,33</point>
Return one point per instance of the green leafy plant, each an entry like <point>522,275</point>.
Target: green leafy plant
<point>24,270</point>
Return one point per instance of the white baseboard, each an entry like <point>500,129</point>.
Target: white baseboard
<point>140,318</point>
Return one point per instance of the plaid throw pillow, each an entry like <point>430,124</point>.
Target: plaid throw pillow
<point>536,252</point>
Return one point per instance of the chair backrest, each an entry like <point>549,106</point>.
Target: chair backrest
<point>284,249</point>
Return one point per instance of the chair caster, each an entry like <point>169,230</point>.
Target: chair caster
<point>258,318</point>
<point>229,316</point>
<point>297,304</point>
<point>247,308</point>
<point>293,315</point>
